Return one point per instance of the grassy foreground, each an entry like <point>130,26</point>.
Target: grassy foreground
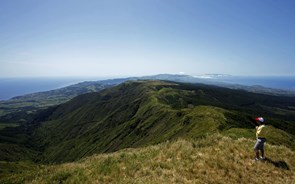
<point>214,159</point>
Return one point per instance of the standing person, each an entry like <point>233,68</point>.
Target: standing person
<point>260,138</point>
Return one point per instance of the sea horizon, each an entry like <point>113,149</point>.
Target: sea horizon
<point>18,86</point>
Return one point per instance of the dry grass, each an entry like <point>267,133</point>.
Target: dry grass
<point>215,159</point>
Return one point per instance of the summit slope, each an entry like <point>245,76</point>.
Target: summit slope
<point>212,159</point>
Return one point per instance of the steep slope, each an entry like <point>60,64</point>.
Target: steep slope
<point>213,159</point>
<point>136,114</point>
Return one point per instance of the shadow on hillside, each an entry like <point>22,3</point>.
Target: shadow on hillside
<point>279,164</point>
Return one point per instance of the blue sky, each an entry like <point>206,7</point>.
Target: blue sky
<point>145,37</point>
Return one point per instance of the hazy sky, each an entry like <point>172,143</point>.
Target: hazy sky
<point>144,37</point>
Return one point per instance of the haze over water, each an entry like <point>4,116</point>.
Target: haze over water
<point>50,38</point>
<point>11,87</point>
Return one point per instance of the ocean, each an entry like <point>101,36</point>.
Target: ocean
<point>276,82</point>
<point>11,87</point>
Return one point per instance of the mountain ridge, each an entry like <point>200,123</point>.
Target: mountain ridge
<point>147,129</point>
<point>22,108</point>
<point>141,113</point>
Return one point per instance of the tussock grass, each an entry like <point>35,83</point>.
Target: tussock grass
<point>213,159</point>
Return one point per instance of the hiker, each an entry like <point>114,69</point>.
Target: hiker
<point>260,138</point>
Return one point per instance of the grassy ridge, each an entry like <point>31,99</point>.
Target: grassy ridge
<point>137,114</point>
<point>201,134</point>
<point>143,113</point>
<point>212,159</point>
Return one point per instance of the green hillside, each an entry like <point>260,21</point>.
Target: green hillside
<point>212,159</point>
<point>137,114</point>
<point>22,108</point>
<point>181,133</point>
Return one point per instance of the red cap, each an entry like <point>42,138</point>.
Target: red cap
<point>259,119</point>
